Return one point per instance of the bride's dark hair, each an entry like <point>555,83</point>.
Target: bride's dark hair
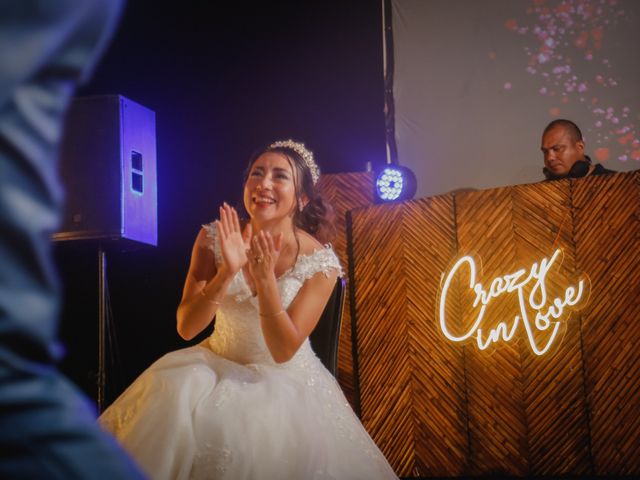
<point>316,217</point>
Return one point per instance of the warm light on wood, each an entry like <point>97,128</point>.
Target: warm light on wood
<point>439,408</point>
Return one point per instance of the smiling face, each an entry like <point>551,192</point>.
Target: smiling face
<point>270,190</point>
<point>561,151</point>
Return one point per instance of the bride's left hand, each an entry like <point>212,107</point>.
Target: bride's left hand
<point>263,255</point>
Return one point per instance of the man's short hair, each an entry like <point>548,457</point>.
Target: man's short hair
<point>568,125</point>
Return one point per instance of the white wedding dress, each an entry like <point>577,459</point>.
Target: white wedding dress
<point>225,410</point>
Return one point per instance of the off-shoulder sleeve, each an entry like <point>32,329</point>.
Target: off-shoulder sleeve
<point>213,243</point>
<point>323,260</point>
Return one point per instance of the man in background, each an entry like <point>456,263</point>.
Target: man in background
<point>47,429</point>
<point>563,151</point>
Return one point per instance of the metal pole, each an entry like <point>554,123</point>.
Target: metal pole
<point>102,325</point>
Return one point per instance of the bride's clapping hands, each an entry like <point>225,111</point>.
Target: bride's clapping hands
<point>233,242</point>
<point>263,255</point>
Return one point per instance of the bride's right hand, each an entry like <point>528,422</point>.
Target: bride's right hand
<point>233,243</point>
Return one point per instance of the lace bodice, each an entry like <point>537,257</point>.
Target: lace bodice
<point>237,335</point>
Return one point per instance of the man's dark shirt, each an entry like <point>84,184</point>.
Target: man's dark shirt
<point>600,170</point>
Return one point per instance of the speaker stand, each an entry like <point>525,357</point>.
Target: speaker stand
<point>102,326</point>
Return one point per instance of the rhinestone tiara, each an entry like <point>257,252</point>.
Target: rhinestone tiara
<point>306,155</point>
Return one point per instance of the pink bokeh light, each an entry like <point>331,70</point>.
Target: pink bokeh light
<point>565,40</point>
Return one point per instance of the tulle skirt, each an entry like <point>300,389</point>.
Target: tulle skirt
<point>196,415</point>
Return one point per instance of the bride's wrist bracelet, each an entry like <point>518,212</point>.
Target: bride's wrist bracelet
<point>269,315</point>
<point>203,292</point>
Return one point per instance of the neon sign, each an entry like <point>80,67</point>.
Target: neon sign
<point>533,302</point>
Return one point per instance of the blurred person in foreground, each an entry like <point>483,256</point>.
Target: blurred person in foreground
<point>47,429</point>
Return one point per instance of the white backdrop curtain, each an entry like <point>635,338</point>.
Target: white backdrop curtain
<point>475,82</point>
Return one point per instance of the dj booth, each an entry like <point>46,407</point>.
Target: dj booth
<point>495,332</point>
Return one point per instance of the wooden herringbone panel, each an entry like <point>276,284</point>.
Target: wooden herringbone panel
<point>382,336</point>
<point>437,366</point>
<point>443,408</point>
<point>412,381</point>
<point>495,383</point>
<point>555,403</point>
<point>607,234</point>
<point>344,192</point>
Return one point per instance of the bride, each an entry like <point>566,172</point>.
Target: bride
<point>253,401</point>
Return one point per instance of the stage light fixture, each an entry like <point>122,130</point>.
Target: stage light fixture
<point>394,184</point>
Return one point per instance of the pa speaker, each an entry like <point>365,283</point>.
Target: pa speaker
<point>108,168</point>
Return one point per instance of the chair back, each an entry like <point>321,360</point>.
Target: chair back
<point>326,336</point>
